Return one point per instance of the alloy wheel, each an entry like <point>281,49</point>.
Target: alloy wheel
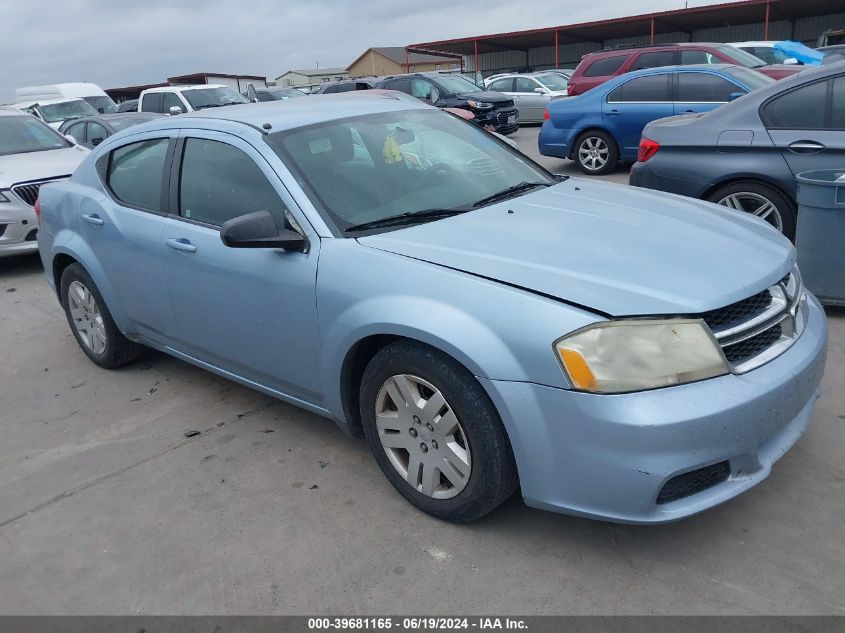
<point>422,436</point>
<point>593,153</point>
<point>755,204</point>
<point>86,317</point>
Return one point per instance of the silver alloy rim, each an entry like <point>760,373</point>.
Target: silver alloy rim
<point>593,153</point>
<point>755,204</point>
<point>422,437</point>
<point>86,317</point>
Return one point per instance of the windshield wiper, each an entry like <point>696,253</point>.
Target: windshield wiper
<point>505,193</point>
<point>410,217</point>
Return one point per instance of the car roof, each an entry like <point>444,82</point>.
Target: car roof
<point>27,104</point>
<point>10,111</point>
<point>761,44</point>
<point>185,87</point>
<point>293,113</point>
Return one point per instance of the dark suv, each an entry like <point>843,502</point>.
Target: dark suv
<point>491,110</point>
<point>596,68</point>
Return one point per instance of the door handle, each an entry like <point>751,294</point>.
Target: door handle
<point>181,244</point>
<point>805,147</point>
<point>689,111</point>
<point>614,112</point>
<point>94,219</point>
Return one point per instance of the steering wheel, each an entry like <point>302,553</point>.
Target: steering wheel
<point>435,172</point>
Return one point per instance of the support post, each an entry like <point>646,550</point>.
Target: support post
<point>475,44</point>
<point>766,27</point>
<point>652,31</point>
<point>557,61</point>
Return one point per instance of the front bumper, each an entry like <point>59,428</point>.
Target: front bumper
<point>504,121</point>
<point>18,228</point>
<point>609,456</point>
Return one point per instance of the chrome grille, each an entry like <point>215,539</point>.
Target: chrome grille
<point>502,116</point>
<point>755,330</point>
<point>27,192</point>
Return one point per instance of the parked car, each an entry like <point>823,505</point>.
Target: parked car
<point>603,127</point>
<point>130,105</point>
<point>346,85</point>
<point>272,93</point>
<point>443,90</point>
<point>31,153</point>
<point>179,99</point>
<point>766,51</point>
<point>54,112</point>
<point>746,154</point>
<point>92,93</point>
<point>412,278</point>
<point>832,54</point>
<point>93,130</point>
<point>531,93</point>
<point>596,68</point>
<point>468,116</point>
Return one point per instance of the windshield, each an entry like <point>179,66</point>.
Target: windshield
<point>124,122</point>
<point>200,98</point>
<point>56,112</point>
<point>455,84</point>
<point>279,95</point>
<point>748,77</point>
<point>363,169</point>
<point>21,134</point>
<point>740,57</point>
<point>552,82</point>
<point>105,103</point>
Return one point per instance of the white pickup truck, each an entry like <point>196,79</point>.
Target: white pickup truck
<point>178,99</point>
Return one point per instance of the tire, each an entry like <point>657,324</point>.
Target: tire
<point>481,473</point>
<point>91,322</point>
<point>751,196</point>
<point>596,153</point>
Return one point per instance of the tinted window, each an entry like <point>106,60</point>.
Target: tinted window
<point>739,56</point>
<point>606,66</point>
<point>800,109</point>
<point>219,182</point>
<point>151,102</point>
<point>77,131</point>
<point>402,85</point>
<point>653,60</point>
<point>703,87</point>
<point>838,106</point>
<point>652,88</point>
<point>502,85</point>
<point>96,131</point>
<point>698,57</point>
<point>348,87</point>
<point>421,89</point>
<point>523,84</point>
<point>172,100</point>
<point>135,173</point>
<point>330,90</point>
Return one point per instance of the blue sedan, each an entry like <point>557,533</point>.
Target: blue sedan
<point>603,126</point>
<point>484,324</point>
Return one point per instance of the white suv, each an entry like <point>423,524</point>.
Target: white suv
<point>31,154</point>
<point>165,100</point>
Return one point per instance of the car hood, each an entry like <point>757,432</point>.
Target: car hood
<point>618,250</point>
<point>40,165</point>
<point>486,96</point>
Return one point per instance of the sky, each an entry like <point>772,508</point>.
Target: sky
<point>117,43</point>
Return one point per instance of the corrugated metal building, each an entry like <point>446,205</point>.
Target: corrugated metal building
<point>563,46</point>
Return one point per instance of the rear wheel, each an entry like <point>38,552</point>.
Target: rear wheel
<point>596,153</point>
<point>759,199</point>
<point>435,434</point>
<point>91,322</point>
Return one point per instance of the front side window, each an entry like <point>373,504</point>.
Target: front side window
<point>705,88</point>
<point>367,168</point>
<point>172,100</point>
<point>523,84</point>
<point>219,182</point>
<point>136,171</point>
<point>606,66</point>
<point>23,134</point>
<point>655,59</point>
<point>553,82</point>
<point>801,109</point>
<point>96,132</point>
<point>456,84</point>
<point>837,108</point>
<point>201,98</point>
<point>77,131</point>
<point>740,57</point>
<point>643,89</point>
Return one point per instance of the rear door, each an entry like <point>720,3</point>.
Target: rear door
<point>630,106</point>
<point>699,91</point>
<point>249,311</point>
<point>807,125</point>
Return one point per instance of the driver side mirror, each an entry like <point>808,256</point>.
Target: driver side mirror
<point>174,110</point>
<point>258,230</point>
<point>540,91</point>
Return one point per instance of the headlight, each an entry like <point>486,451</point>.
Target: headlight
<point>3,198</point>
<point>633,355</point>
<point>479,105</point>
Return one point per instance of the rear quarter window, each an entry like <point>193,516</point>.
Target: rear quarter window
<point>605,66</point>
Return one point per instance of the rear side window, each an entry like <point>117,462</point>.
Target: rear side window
<point>698,57</point>
<point>651,88</point>
<point>801,109</point>
<point>135,173</point>
<point>219,182</point>
<point>655,59</point>
<point>502,85</point>
<point>705,88</point>
<point>606,66</point>
<point>152,102</point>
<point>402,85</point>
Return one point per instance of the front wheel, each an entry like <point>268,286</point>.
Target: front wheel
<point>596,153</point>
<point>759,199</point>
<point>435,434</point>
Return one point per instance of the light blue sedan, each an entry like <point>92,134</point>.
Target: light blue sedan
<point>617,353</point>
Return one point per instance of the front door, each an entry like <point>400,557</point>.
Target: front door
<point>249,311</point>
<point>530,103</point>
<point>702,91</point>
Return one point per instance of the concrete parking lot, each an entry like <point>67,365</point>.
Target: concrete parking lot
<point>106,507</point>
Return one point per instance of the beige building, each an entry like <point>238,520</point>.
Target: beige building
<point>392,60</point>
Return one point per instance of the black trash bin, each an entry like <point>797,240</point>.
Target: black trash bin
<point>820,234</point>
